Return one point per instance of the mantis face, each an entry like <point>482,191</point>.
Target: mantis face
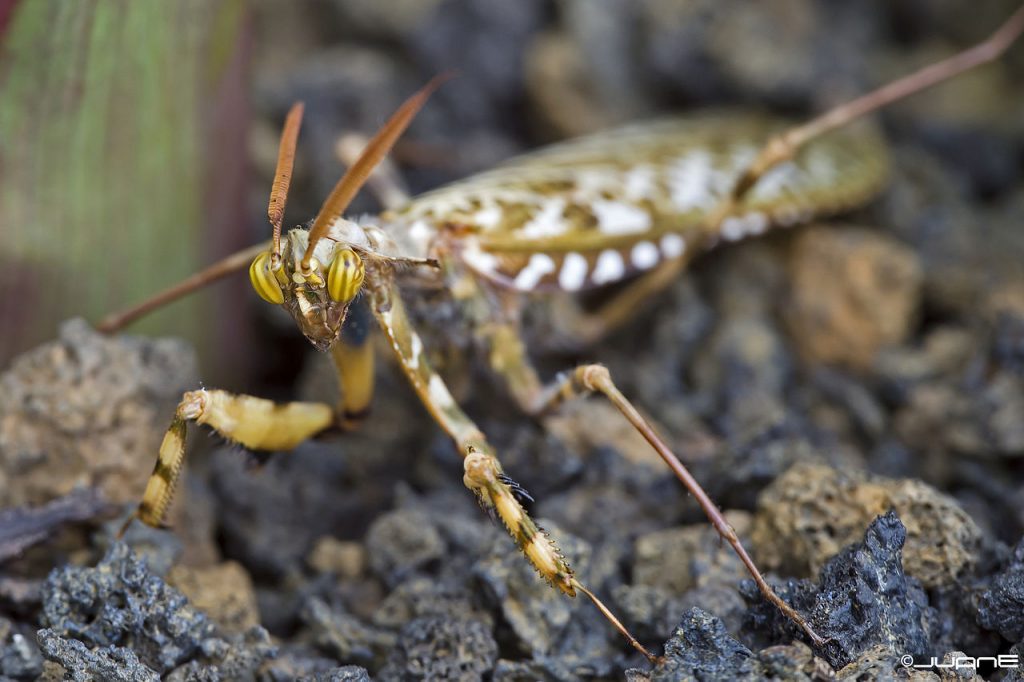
<point>317,273</point>
<point>318,299</point>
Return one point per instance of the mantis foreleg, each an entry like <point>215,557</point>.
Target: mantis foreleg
<point>255,423</point>
<point>495,491</point>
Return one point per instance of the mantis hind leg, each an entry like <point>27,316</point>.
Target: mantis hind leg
<point>508,358</point>
<point>587,379</point>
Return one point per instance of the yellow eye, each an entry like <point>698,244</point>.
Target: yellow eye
<point>345,275</point>
<point>263,279</point>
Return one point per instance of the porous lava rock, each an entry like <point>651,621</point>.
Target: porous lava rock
<point>862,599</point>
<point>82,411</point>
<point>118,615</point>
<point>809,513</point>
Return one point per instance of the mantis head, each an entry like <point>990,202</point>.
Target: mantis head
<point>319,298</point>
<point>316,279</point>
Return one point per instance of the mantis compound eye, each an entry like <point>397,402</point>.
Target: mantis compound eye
<point>345,275</point>
<point>263,279</point>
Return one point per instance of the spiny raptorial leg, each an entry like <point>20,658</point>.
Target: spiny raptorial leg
<point>508,357</point>
<point>496,492</point>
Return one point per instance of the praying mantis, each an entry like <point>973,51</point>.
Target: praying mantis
<point>634,204</point>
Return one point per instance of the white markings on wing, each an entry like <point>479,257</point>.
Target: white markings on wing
<point>529,277</point>
<point>573,273</point>
<point>757,223</point>
<point>480,260</point>
<point>641,183</point>
<point>417,350</point>
<point>673,246</point>
<point>609,267</point>
<point>591,183</point>
<point>595,210</point>
<point>689,181</point>
<point>488,217</point>
<point>786,177</point>
<point>742,156</point>
<point>618,218</point>
<point>549,221</point>
<point>644,255</point>
<point>421,233</point>
<point>822,166</point>
<point>732,229</point>
<point>748,225</point>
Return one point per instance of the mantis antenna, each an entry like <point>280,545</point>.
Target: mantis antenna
<point>282,179</point>
<point>337,202</point>
<point>357,174</point>
<point>222,268</point>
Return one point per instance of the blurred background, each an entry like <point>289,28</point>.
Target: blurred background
<point>137,138</point>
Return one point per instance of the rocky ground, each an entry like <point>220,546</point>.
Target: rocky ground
<point>852,394</point>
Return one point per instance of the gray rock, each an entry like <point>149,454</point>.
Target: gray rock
<point>422,596</point>
<point>84,664</point>
<point>120,612</point>
<point>702,649</point>
<point>88,410</point>
<point>238,657</point>
<point>401,542</point>
<point>438,647</point>
<point>342,635</point>
<point>1016,674</point>
<point>120,603</point>
<point>862,599</point>
<point>272,516</point>
<point>303,663</point>
<point>1001,607</point>
<point>348,673</point>
<point>20,658</point>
